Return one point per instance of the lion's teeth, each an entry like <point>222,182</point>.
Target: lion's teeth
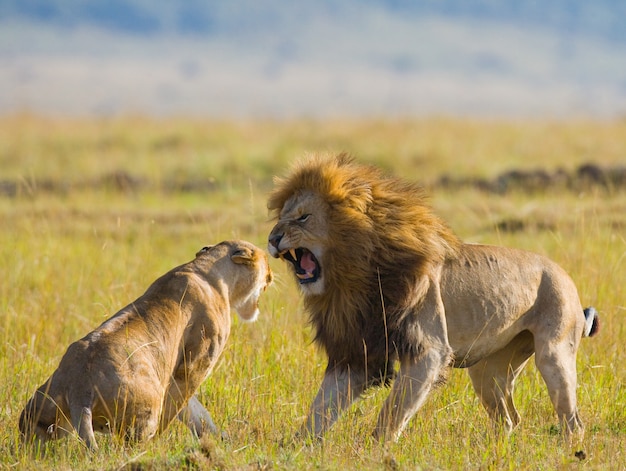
<point>293,253</point>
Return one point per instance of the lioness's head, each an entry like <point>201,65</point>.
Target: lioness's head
<point>244,269</point>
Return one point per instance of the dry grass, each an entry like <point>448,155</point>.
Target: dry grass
<point>71,255</point>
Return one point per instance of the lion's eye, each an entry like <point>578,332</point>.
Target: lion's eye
<point>303,218</point>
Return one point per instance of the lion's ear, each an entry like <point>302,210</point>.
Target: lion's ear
<point>243,256</point>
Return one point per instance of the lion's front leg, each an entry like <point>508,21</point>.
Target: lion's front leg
<point>417,374</point>
<point>415,380</point>
<point>340,387</point>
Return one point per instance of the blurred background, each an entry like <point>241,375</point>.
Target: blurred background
<point>326,58</point>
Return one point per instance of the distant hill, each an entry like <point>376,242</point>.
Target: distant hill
<point>329,57</point>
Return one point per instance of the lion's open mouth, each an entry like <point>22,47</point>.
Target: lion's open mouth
<point>304,262</point>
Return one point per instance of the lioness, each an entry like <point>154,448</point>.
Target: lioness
<point>384,279</point>
<point>140,369</point>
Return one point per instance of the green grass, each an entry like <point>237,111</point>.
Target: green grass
<point>71,255</point>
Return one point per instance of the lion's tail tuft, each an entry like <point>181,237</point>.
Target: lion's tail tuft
<point>592,322</point>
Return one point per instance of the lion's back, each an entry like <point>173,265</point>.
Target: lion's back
<point>490,291</point>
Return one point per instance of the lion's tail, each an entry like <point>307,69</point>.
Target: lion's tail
<point>592,322</point>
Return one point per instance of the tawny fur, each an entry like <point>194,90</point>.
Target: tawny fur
<point>385,279</point>
<point>141,368</point>
<point>374,273</point>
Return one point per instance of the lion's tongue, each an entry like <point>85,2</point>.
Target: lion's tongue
<point>307,263</point>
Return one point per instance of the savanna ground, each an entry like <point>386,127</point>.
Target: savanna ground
<point>92,211</point>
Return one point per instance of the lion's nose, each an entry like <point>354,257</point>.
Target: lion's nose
<point>275,239</point>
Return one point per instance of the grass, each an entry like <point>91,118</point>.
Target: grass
<point>76,245</point>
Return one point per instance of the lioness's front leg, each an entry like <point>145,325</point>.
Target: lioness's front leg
<point>340,387</point>
<point>197,418</point>
<point>190,412</point>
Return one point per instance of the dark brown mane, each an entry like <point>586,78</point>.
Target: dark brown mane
<point>384,240</point>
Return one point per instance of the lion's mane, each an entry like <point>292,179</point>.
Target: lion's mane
<point>383,241</point>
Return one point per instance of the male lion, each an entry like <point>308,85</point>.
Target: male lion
<point>140,369</point>
<point>384,279</point>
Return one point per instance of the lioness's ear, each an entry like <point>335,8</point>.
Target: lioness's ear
<point>203,250</point>
<point>242,256</point>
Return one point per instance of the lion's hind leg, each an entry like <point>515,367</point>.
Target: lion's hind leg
<point>557,364</point>
<point>494,377</point>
